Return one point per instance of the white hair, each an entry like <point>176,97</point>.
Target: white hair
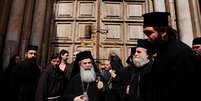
<point>87,75</point>
<point>139,62</point>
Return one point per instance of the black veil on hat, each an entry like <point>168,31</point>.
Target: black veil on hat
<point>133,49</point>
<point>131,53</point>
<point>197,41</point>
<point>81,56</point>
<point>156,19</point>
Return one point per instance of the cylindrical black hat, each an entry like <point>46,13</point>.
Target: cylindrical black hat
<point>147,45</point>
<point>31,47</point>
<point>156,19</point>
<point>197,41</point>
<point>83,55</point>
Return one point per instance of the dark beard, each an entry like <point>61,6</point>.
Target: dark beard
<point>33,60</point>
<point>158,44</point>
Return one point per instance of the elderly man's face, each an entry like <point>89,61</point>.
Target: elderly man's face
<point>141,52</point>
<point>86,64</point>
<point>140,58</point>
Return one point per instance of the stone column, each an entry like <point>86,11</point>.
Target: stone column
<point>172,13</point>
<point>26,31</point>
<point>38,24</point>
<point>4,15</point>
<point>159,5</point>
<point>13,30</point>
<point>184,21</point>
<point>149,5</point>
<point>196,17</point>
<point>46,36</point>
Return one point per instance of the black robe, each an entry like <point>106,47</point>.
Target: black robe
<point>68,71</point>
<point>67,74</point>
<point>134,78</point>
<point>111,87</point>
<point>175,73</point>
<point>116,63</point>
<point>50,84</point>
<point>23,81</point>
<point>74,89</point>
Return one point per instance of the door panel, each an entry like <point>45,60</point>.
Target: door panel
<point>113,26</point>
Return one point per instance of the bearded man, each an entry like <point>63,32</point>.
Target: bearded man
<point>132,77</point>
<point>196,46</point>
<point>24,77</point>
<point>86,84</point>
<point>176,69</point>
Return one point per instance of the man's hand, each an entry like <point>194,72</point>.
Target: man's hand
<point>113,74</point>
<point>100,84</point>
<point>80,98</point>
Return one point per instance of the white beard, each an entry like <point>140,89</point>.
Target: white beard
<point>87,75</point>
<point>139,62</point>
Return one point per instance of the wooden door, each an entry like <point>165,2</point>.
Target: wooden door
<point>112,24</point>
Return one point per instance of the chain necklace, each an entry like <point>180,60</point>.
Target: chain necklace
<point>85,90</point>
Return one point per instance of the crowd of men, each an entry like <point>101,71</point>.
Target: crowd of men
<point>160,68</point>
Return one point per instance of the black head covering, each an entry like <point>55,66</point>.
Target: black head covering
<point>156,19</point>
<point>133,50</point>
<point>31,47</point>
<point>81,56</point>
<point>197,41</point>
<point>145,44</point>
<point>131,53</point>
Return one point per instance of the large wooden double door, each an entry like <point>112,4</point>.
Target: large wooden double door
<point>112,24</point>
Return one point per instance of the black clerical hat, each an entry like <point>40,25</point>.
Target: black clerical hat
<point>143,43</point>
<point>83,55</point>
<point>133,50</point>
<point>147,45</point>
<point>197,41</point>
<point>156,19</point>
<point>31,47</point>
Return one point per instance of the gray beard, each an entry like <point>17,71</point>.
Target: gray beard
<point>87,75</point>
<point>139,62</point>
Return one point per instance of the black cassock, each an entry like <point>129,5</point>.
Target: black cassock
<point>175,73</point>
<point>23,81</point>
<point>50,85</point>
<point>132,82</point>
<point>75,89</point>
